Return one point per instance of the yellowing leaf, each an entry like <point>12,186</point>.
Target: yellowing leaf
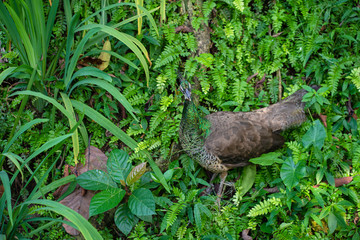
<point>136,173</point>
<point>104,56</point>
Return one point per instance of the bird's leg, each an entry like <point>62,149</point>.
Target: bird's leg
<point>220,191</point>
<point>208,189</point>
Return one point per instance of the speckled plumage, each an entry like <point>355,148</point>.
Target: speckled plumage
<point>225,140</point>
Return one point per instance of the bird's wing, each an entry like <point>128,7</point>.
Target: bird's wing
<point>234,140</point>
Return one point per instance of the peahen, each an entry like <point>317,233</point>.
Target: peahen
<point>225,140</point>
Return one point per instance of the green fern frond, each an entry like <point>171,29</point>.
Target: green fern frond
<point>239,90</point>
<point>165,102</point>
<point>264,207</point>
<point>219,76</point>
<point>173,213</point>
<point>190,42</point>
<point>207,7</point>
<point>170,54</point>
<point>180,234</point>
<point>138,99</point>
<point>354,77</point>
<point>239,5</point>
<point>156,119</point>
<point>335,72</point>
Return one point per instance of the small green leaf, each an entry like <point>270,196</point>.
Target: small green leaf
<point>291,173</point>
<point>142,202</point>
<point>118,165</point>
<point>315,136</point>
<point>95,180</point>
<point>267,159</point>
<point>124,219</point>
<point>105,200</point>
<point>136,173</point>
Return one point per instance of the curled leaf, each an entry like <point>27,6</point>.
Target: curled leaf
<point>105,56</point>
<point>136,173</point>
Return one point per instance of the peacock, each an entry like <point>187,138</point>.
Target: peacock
<point>222,141</point>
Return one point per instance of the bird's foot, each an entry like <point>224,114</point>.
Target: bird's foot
<point>218,201</point>
<point>209,189</point>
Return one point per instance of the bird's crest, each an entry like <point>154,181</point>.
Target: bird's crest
<point>185,87</point>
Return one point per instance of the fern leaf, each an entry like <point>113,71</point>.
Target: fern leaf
<point>355,77</point>
<point>335,72</point>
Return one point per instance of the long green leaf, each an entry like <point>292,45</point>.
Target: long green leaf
<point>47,145</point>
<point>4,74</point>
<point>15,159</point>
<point>111,89</point>
<point>128,40</point>
<point>24,37</point>
<point>49,99</point>
<point>72,122</point>
<point>105,123</point>
<point>88,231</point>
<point>54,185</point>
<point>73,62</point>
<point>7,194</point>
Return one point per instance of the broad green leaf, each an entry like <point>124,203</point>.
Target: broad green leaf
<point>315,136</point>
<point>105,200</point>
<point>340,214</point>
<point>136,173</point>
<point>267,159</point>
<point>247,178</point>
<point>169,174</point>
<point>95,180</point>
<point>332,222</point>
<point>117,165</point>
<point>291,173</point>
<point>142,202</point>
<point>318,197</point>
<point>330,178</point>
<point>124,219</point>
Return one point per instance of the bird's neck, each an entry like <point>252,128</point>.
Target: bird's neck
<point>193,128</point>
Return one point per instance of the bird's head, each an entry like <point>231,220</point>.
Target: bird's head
<point>185,87</point>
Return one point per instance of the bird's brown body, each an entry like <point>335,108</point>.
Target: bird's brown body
<point>225,140</point>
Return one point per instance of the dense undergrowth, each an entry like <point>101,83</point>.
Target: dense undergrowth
<point>259,51</point>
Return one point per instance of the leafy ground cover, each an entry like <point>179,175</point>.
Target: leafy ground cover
<point>95,83</point>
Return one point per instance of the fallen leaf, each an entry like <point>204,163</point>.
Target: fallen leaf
<point>339,181</point>
<point>80,204</point>
<point>104,56</point>
<point>323,119</point>
<point>79,200</point>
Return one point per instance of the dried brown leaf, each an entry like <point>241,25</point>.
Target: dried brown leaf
<point>79,203</point>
